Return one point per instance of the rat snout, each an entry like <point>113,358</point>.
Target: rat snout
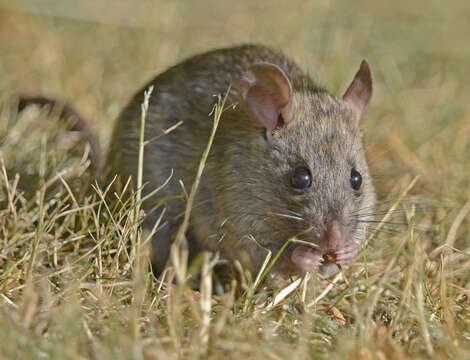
<point>334,236</point>
<point>331,236</point>
<point>331,249</point>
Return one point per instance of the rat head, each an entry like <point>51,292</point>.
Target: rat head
<point>310,178</point>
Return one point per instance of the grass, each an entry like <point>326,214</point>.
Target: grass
<point>74,276</point>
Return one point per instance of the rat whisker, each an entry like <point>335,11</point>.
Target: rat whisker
<point>386,231</point>
<point>373,210</point>
<point>288,216</point>
<point>287,232</point>
<point>381,222</point>
<point>272,203</point>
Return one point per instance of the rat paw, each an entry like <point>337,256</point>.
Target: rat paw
<point>347,253</point>
<point>306,258</point>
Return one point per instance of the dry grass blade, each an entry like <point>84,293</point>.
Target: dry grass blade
<point>389,213</point>
<point>179,252</point>
<point>208,265</point>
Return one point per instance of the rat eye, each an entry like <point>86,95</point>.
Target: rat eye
<point>301,178</point>
<point>356,179</point>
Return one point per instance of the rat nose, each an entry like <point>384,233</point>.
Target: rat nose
<point>334,235</point>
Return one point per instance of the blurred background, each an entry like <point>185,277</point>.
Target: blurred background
<point>96,53</point>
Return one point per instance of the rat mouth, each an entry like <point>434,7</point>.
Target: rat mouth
<point>309,259</point>
<point>324,250</point>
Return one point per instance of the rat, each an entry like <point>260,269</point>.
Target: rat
<point>287,160</point>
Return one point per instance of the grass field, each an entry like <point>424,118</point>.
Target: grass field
<point>74,280</point>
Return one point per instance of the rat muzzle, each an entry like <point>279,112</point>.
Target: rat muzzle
<point>334,247</point>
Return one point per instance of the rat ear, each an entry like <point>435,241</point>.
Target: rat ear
<point>359,92</point>
<point>267,94</point>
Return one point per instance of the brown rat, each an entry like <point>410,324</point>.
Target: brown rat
<point>287,159</point>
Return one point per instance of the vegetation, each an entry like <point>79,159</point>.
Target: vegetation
<point>74,275</point>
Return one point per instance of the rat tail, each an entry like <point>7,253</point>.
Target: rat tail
<point>78,123</point>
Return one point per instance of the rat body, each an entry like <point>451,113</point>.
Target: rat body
<point>287,160</point>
